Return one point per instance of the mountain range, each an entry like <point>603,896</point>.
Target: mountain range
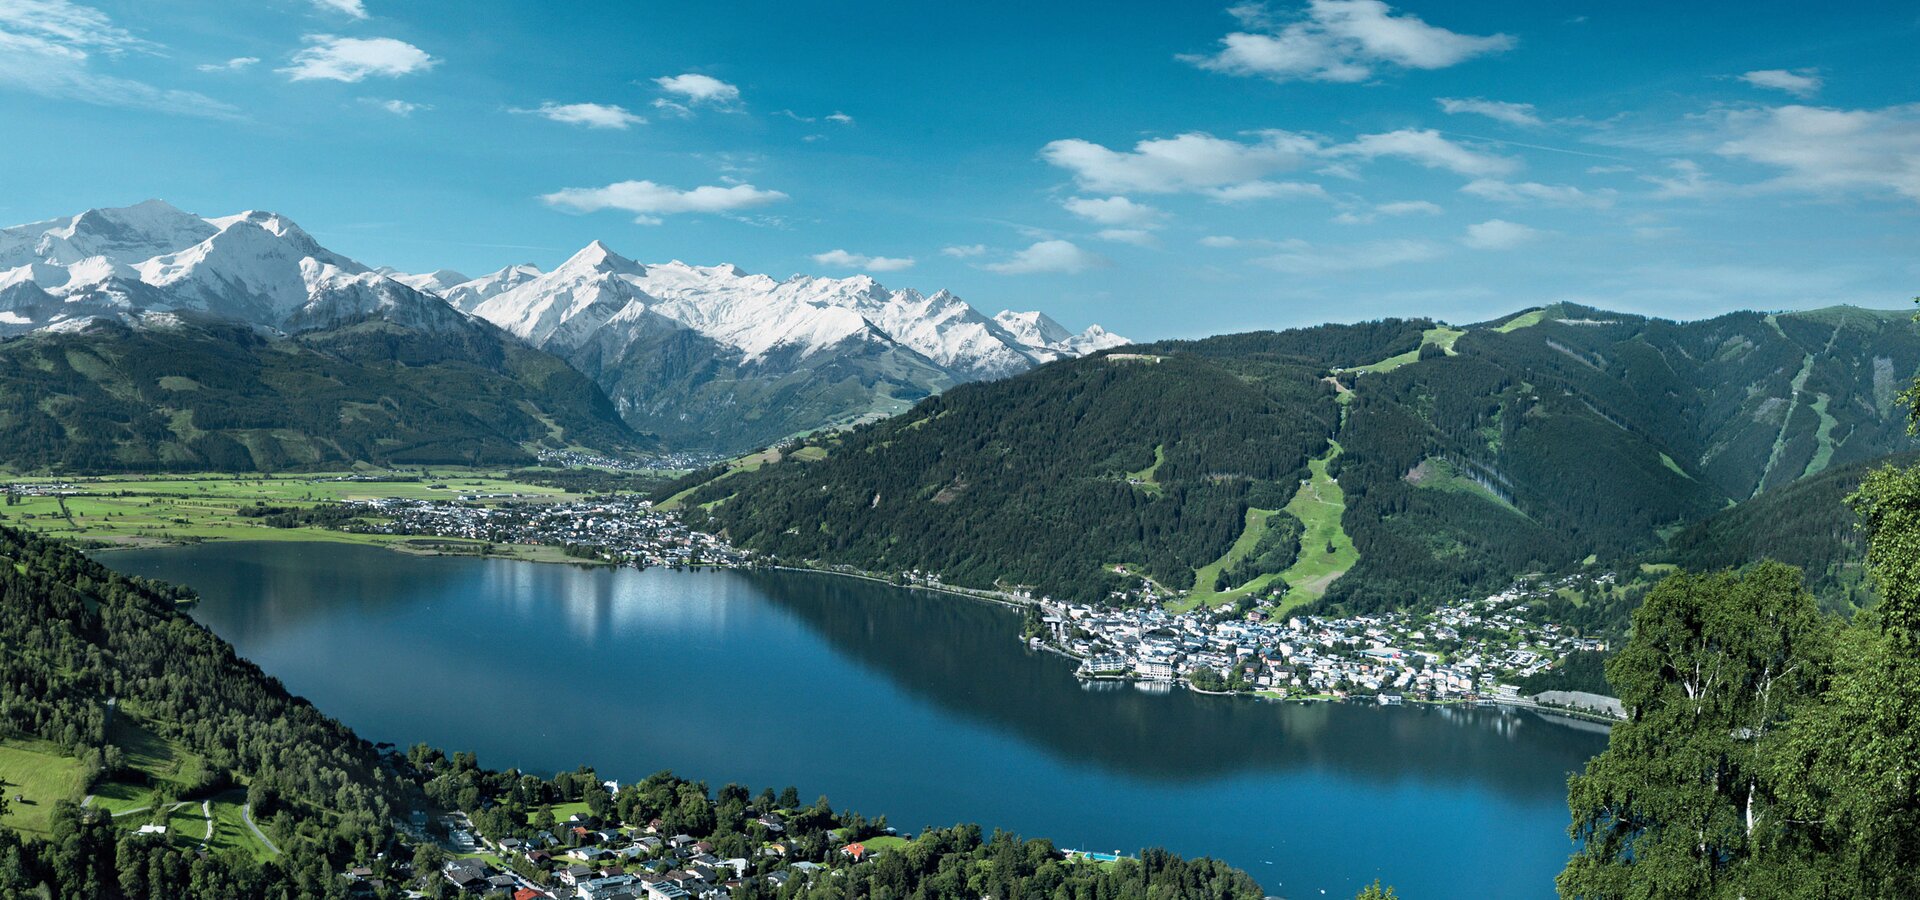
<point>697,358</point>
<point>715,357</point>
<point>1367,466</point>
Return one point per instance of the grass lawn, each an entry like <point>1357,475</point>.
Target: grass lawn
<point>561,811</point>
<point>230,831</point>
<point>38,772</point>
<point>1326,550</point>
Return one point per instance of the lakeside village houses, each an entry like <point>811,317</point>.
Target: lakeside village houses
<point>618,529</point>
<point>1464,651</point>
<point>606,861</point>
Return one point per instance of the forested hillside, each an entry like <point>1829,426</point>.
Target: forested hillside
<point>1049,478</point>
<point>1456,457</point>
<point>74,636</point>
<point>222,396</point>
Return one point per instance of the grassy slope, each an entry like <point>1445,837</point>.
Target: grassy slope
<point>1148,479</point>
<point>1203,593</point>
<point>1319,505</point>
<point>1440,336</point>
<point>36,770</point>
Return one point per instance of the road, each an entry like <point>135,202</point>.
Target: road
<point>246,812</point>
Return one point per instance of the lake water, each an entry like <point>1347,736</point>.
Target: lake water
<point>920,706</point>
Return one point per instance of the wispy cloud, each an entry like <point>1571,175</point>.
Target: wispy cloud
<point>1054,257</point>
<point>236,64</point>
<point>1188,162</point>
<point>1339,41</point>
<point>1518,192</point>
<point>49,48</point>
<point>964,251</point>
<point>1248,191</point>
<point>1831,151</point>
<point>1521,114</point>
<point>1498,234</point>
<point>650,201</point>
<point>400,108</point>
<point>331,58</point>
<point>353,9</point>
<point>1431,149</point>
<point>691,89</point>
<point>1393,209</point>
<point>1802,83</point>
<point>1114,211</point>
<point>590,115</point>
<point>841,259</point>
<point>1297,257</point>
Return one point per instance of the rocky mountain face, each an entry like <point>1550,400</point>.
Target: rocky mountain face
<point>716,358</point>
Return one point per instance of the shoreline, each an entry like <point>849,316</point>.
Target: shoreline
<point>996,598</point>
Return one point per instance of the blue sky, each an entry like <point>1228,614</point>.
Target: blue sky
<point>1165,169</point>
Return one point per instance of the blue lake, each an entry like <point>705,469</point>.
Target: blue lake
<point>922,707</point>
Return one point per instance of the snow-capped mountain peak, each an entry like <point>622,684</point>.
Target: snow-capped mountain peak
<point>147,263</point>
<point>436,282</point>
<point>754,314</point>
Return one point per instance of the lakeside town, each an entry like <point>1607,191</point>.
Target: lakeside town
<point>617,529</point>
<point>1469,650</point>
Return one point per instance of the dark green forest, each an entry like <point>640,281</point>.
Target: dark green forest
<point>1576,438</point>
<point>218,396</point>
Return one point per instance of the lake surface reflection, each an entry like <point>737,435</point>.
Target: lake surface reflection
<point>920,706</point>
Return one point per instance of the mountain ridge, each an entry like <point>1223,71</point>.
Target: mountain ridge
<point>1544,440</point>
<point>764,359</point>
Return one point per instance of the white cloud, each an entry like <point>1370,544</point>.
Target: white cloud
<point>397,107</point>
<point>649,201</point>
<point>696,89</point>
<point>1116,211</point>
<point>963,251</point>
<point>355,9</point>
<point>1191,161</point>
<point>233,65</point>
<point>591,115</point>
<point>841,259</point>
<point>1498,234</point>
<point>1299,257</point>
<point>1139,237</point>
<point>1535,192</point>
<point>1830,151</point>
<point>1048,257</point>
<point>1267,190</point>
<point>332,58</point>
<point>840,118</point>
<point>47,47</point>
<point>1802,83</point>
<point>1340,41</point>
<point>1394,209</point>
<point>1521,114</point>
<point>1428,148</point>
